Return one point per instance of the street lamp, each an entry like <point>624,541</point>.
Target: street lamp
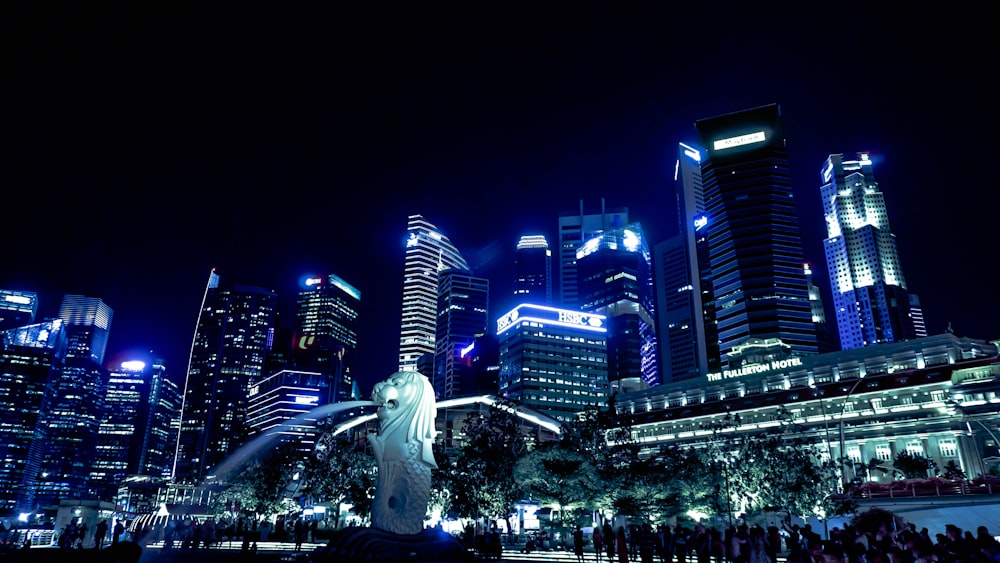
<point>843,451</point>
<point>728,422</point>
<point>729,496</point>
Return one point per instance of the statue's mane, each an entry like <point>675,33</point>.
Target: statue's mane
<point>414,415</point>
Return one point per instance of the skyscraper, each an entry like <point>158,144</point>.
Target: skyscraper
<point>30,356</point>
<point>428,252</point>
<point>88,324</point>
<point>137,434</point>
<point>326,332</point>
<point>688,342</point>
<point>17,308</point>
<point>575,228</point>
<point>866,279</point>
<point>463,309</point>
<point>553,360</point>
<point>279,398</point>
<point>754,244</point>
<point>230,342</point>
<point>533,270</point>
<point>76,401</point>
<point>615,277</point>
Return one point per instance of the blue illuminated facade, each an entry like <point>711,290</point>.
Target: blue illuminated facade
<point>575,228</point>
<point>284,396</point>
<point>234,328</point>
<point>326,332</point>
<point>533,270</point>
<point>138,430</point>
<point>428,252</point>
<point>463,316</point>
<point>754,243</point>
<point>685,308</point>
<point>553,360</point>
<point>616,280</point>
<point>17,308</point>
<point>76,402</point>
<point>30,357</point>
<point>869,290</point>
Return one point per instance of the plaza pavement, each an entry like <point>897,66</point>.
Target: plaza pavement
<point>231,552</point>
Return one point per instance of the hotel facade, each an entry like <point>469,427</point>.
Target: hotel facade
<point>935,397</point>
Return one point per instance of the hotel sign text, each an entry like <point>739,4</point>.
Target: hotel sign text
<point>755,369</point>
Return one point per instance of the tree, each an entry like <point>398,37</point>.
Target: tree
<point>482,482</point>
<point>953,471</point>
<point>913,466</point>
<point>260,486</point>
<point>341,471</point>
<point>558,473</point>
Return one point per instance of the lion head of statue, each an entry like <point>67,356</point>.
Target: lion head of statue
<point>407,411</point>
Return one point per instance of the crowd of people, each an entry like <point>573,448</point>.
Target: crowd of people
<point>756,544</point>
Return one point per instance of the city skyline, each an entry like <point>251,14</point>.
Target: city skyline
<point>303,154</point>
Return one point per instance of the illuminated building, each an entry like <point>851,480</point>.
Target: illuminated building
<point>230,342</point>
<point>428,252</point>
<point>533,270</point>
<point>76,398</point>
<point>615,280</point>
<point>935,397</point>
<point>138,427</point>
<point>866,279</point>
<point>283,397</point>
<point>754,245</point>
<point>825,338</point>
<point>326,333</point>
<point>688,343</point>
<point>463,309</point>
<point>917,314</point>
<point>30,356</point>
<point>553,360</point>
<point>575,228</point>
<point>17,308</point>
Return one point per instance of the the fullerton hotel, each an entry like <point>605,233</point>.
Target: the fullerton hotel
<point>936,397</point>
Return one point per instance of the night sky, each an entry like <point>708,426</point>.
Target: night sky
<point>143,147</point>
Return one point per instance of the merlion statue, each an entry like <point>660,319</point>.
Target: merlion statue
<point>402,448</point>
<point>402,451</point>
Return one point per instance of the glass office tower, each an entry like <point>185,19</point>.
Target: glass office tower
<point>533,270</point>
<point>76,401</point>
<point>138,432</point>
<point>326,332</point>
<point>553,360</point>
<point>866,279</point>
<point>754,243</point>
<point>428,252</point>
<point>685,313</point>
<point>575,228</point>
<point>17,308</point>
<point>463,309</point>
<point>30,356</point>
<point>615,273</point>
<point>227,356</point>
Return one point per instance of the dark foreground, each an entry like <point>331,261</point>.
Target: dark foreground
<point>151,555</point>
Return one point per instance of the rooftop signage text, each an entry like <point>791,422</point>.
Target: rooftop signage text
<point>731,142</point>
<point>552,316</point>
<point>755,369</point>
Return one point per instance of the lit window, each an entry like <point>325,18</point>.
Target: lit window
<point>948,447</point>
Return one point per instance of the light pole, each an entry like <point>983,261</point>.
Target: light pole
<point>843,451</point>
<point>729,496</point>
<point>727,422</point>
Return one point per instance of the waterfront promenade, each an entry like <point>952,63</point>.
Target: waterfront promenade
<point>231,552</point>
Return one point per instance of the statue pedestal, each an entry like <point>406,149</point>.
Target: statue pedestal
<point>371,544</point>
